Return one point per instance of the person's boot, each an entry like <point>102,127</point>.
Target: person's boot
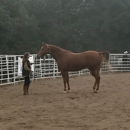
<point>24,90</point>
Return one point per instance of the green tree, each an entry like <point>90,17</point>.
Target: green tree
<point>77,25</point>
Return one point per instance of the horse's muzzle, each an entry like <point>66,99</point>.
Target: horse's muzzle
<point>37,56</point>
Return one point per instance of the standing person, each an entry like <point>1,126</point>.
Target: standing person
<point>125,60</point>
<point>26,71</point>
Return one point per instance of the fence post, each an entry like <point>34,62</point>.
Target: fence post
<point>1,70</point>
<point>54,67</point>
<point>109,64</point>
<point>14,69</point>
<point>40,68</point>
<point>34,58</point>
<point>7,68</point>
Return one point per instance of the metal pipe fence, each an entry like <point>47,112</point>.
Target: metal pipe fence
<point>11,72</point>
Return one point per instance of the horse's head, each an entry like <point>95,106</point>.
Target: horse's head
<point>45,49</point>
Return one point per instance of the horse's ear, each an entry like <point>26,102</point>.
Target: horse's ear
<point>42,43</point>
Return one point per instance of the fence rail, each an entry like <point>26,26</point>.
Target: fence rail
<point>10,68</point>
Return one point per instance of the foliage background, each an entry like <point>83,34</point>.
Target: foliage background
<point>77,25</point>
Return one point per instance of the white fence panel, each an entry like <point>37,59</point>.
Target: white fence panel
<point>118,65</point>
<point>10,67</point>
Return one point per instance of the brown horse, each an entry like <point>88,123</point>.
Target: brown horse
<point>69,61</point>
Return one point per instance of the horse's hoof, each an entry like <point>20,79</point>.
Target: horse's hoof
<point>96,91</point>
<point>69,91</point>
<point>64,91</point>
<point>24,93</point>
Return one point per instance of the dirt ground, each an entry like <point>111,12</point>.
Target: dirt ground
<point>48,108</point>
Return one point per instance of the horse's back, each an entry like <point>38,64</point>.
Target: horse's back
<point>92,59</point>
<point>87,55</point>
<point>77,61</point>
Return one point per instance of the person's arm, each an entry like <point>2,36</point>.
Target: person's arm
<point>26,67</point>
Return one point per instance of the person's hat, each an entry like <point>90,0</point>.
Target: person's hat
<point>125,52</point>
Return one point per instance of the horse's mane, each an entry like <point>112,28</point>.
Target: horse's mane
<point>58,47</point>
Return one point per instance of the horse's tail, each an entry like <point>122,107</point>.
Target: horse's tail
<point>106,56</point>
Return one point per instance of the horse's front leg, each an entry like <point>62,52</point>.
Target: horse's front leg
<point>67,80</point>
<point>64,73</point>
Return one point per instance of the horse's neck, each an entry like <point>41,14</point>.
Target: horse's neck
<point>56,52</point>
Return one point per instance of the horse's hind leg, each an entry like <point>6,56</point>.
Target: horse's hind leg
<point>68,82</point>
<point>98,81</point>
<point>94,86</point>
<point>64,76</point>
<point>94,75</point>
